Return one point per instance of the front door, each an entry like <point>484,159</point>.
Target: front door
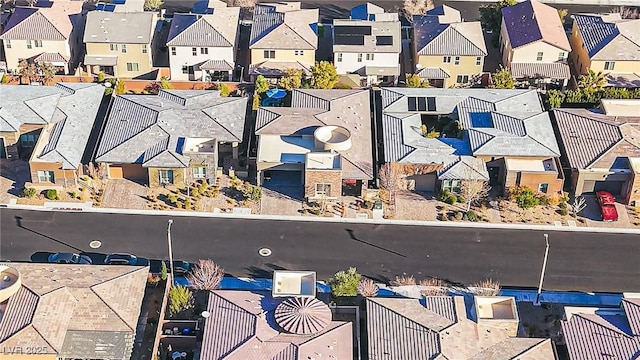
<point>494,175</point>
<point>3,150</point>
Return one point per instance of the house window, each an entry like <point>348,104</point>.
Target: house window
<point>539,56</point>
<point>173,50</point>
<point>199,172</point>
<point>113,47</point>
<point>543,188</point>
<point>561,55</point>
<point>417,103</point>
<point>462,79</point>
<point>339,58</point>
<point>359,57</point>
<point>28,44</point>
<point>8,42</point>
<point>185,69</point>
<point>457,60</point>
<point>323,190</point>
<point>166,176</point>
<point>369,57</point>
<point>609,65</point>
<point>204,51</point>
<point>28,140</point>
<point>478,60</point>
<point>299,52</point>
<point>37,43</point>
<point>144,48</point>
<point>132,66</point>
<point>451,185</point>
<point>194,51</point>
<point>446,59</point>
<point>123,47</point>
<point>269,54</point>
<point>46,176</point>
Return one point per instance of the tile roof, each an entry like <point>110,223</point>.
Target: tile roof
<point>102,60</point>
<point>92,319</point>
<point>609,37</point>
<point>491,125</point>
<point>51,58</point>
<point>221,65</point>
<point>277,68</point>
<point>433,73</point>
<point>242,327</point>
<point>531,21</point>
<point>446,14</point>
<point>604,333</point>
<point>120,27</point>
<point>150,129</point>
<point>460,38</point>
<point>401,328</point>
<point>370,43</point>
<point>556,70</point>
<point>313,108</point>
<point>67,110</point>
<point>217,29</point>
<point>588,137</point>
<point>283,26</point>
<point>53,23</point>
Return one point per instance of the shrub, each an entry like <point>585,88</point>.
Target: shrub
<point>236,183</point>
<point>173,198</point>
<point>180,299</point>
<point>564,211</point>
<point>367,288</point>
<point>434,287</point>
<point>163,271</point>
<point>487,287</point>
<point>524,197</point>
<point>403,280</point>
<point>345,283</point>
<point>253,193</point>
<point>447,197</point>
<point>459,215</point>
<point>224,90</point>
<point>188,203</point>
<point>471,216</point>
<point>543,199</point>
<point>51,194</point>
<point>101,77</point>
<point>153,279</point>
<point>206,275</point>
<point>29,192</point>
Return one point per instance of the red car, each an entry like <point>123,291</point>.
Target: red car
<point>607,204</point>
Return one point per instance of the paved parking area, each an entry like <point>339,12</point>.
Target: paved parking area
<point>124,194</point>
<point>277,203</point>
<point>593,216</point>
<point>415,206</point>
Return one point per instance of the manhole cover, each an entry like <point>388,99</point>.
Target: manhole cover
<point>264,252</point>
<point>95,244</point>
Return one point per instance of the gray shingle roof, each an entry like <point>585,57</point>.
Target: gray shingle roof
<point>120,27</point>
<point>587,136</point>
<point>492,126</point>
<point>608,37</point>
<point>556,70</point>
<point>150,129</point>
<point>218,29</point>
<point>283,26</point>
<point>433,38</point>
<point>433,73</point>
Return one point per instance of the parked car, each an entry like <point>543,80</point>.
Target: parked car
<point>607,204</point>
<point>180,267</point>
<point>125,259</point>
<point>69,258</point>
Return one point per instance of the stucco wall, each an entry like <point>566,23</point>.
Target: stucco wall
<point>178,177</point>
<point>60,176</point>
<point>332,177</point>
<point>308,57</point>
<point>533,180</point>
<point>350,63</point>
<point>583,63</point>
<point>134,54</point>
<point>633,197</point>
<point>467,66</point>
<point>19,50</point>
<point>184,56</point>
<point>529,53</point>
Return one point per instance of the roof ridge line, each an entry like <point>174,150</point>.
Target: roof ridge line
<point>411,320</point>
<point>617,330</point>
<point>104,302</point>
<point>217,122</point>
<point>54,25</point>
<point>469,40</point>
<point>187,28</point>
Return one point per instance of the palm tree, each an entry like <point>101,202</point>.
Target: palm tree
<point>592,80</point>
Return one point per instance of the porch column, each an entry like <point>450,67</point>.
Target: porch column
<point>564,83</point>
<point>230,76</point>
<point>234,148</point>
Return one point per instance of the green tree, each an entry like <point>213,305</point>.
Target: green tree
<point>262,85</point>
<point>345,283</point>
<point>224,90</point>
<point>502,79</point>
<point>491,15</point>
<point>323,75</point>
<point>413,80</point>
<point>180,299</point>
<point>562,13</point>
<point>256,101</point>
<point>165,84</point>
<point>163,271</point>
<point>29,192</point>
<point>592,80</point>
<point>51,194</point>
<point>120,87</point>
<point>292,80</point>
<point>153,5</point>
<point>555,98</point>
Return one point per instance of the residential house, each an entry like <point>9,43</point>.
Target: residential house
<point>267,327</point>
<point>51,33</point>
<point>321,143</point>
<point>603,333</point>
<point>176,137</point>
<point>120,44</point>
<point>607,43</point>
<point>207,6</point>
<point>440,327</point>
<point>96,310</point>
<point>203,47</point>
<point>50,127</point>
<point>283,36</point>
<point>601,149</point>
<point>121,6</point>
<point>368,44</point>
<point>447,51</point>
<point>501,135</point>
<point>533,43</point>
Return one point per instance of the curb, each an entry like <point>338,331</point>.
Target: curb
<point>611,3</point>
<point>332,220</point>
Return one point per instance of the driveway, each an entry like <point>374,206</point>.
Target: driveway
<point>13,175</point>
<point>415,206</point>
<point>124,194</point>
<point>593,216</point>
<point>277,203</point>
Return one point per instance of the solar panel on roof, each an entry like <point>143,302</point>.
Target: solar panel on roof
<point>118,2</point>
<point>384,40</point>
<point>100,7</point>
<point>109,7</point>
<point>352,30</point>
<point>348,40</point>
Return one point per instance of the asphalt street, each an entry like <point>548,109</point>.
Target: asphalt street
<point>577,261</point>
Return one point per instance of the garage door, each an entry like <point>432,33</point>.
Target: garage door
<point>128,171</point>
<point>282,178</point>
<point>425,182</point>
<point>614,187</point>
<point>115,172</point>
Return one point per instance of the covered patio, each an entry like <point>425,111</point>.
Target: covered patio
<point>98,64</point>
<point>435,75</point>
<point>556,74</point>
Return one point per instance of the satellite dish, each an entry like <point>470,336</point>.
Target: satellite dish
<point>205,314</point>
<point>107,84</point>
<point>418,66</point>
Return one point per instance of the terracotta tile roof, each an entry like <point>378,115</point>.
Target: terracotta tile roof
<point>531,21</point>
<point>71,295</point>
